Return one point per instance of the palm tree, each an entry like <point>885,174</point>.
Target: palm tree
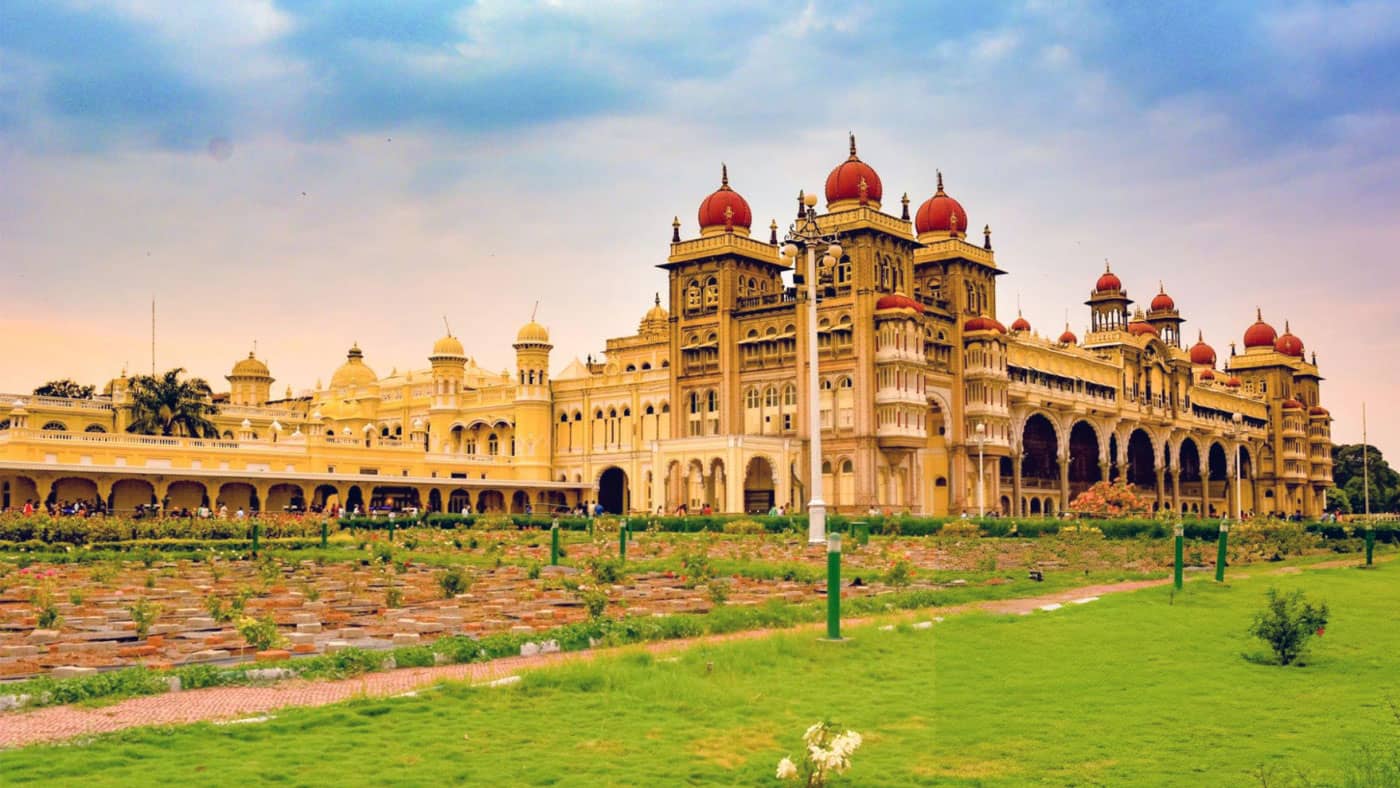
<point>167,405</point>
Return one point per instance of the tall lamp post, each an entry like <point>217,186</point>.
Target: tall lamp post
<point>1238,420</point>
<point>806,234</point>
<point>981,432</point>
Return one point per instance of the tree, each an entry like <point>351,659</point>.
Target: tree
<point>1347,474</point>
<point>167,405</point>
<point>66,388</point>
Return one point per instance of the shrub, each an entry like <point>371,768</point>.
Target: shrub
<point>1107,499</point>
<point>144,613</point>
<point>217,611</point>
<point>1287,622</point>
<point>744,526</point>
<point>261,633</point>
<point>393,597</point>
<point>901,573</point>
<point>606,570</point>
<point>413,657</point>
<point>595,600</point>
<point>719,591</point>
<point>960,529</point>
<point>453,581</point>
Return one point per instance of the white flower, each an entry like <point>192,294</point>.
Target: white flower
<point>787,770</point>
<point>813,733</point>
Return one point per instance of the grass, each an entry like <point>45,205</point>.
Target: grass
<point>1142,688</point>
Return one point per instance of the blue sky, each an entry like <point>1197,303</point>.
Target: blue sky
<point>392,162</point>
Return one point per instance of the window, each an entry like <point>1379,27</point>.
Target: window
<point>751,398</point>
<point>692,295</point>
<point>56,426</point>
<point>493,444</point>
<point>789,394</point>
<point>711,292</point>
<point>770,397</point>
<point>712,401</point>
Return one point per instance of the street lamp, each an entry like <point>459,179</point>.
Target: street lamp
<point>1238,420</point>
<point>806,234</point>
<point>981,432</point>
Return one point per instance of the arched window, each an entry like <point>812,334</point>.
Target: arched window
<point>692,295</point>
<point>711,292</point>
<point>646,365</point>
<point>650,410</point>
<point>493,444</point>
<point>847,466</point>
<point>631,368</point>
<point>712,401</point>
<point>751,398</point>
<point>845,382</point>
<point>694,402</point>
<point>843,270</point>
<point>95,428</point>
<point>789,394</point>
<point>563,418</point>
<point>56,426</point>
<point>770,397</point>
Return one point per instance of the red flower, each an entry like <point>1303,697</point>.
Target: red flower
<point>1320,630</point>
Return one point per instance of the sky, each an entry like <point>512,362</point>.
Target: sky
<point>306,174</point>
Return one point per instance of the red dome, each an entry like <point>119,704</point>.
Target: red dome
<point>984,323</point>
<point>1201,353</point>
<point>1108,281</point>
<point>1234,382</point>
<point>940,213</point>
<point>1292,404</point>
<point>1020,323</point>
<point>1288,344</point>
<point>1207,374</point>
<point>1260,334</point>
<point>850,178</point>
<point>1140,327</point>
<point>1162,302</point>
<point>898,301</point>
<point>1318,410</point>
<point>713,209</point>
<point>1068,338</point>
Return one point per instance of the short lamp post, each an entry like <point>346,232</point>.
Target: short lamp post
<point>1220,553</point>
<point>981,438</point>
<point>806,234</point>
<point>1180,533</point>
<point>833,587</point>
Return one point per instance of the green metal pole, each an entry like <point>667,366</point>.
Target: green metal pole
<point>622,542</point>
<point>554,543</point>
<point>325,532</point>
<point>1370,543</point>
<point>1220,553</point>
<point>255,540</point>
<point>391,529</point>
<point>1180,534</point>
<point>833,587</point>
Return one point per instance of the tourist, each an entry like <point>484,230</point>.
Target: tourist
<point>240,515</point>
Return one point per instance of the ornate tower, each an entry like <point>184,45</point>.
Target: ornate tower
<point>250,382</point>
<point>1108,307</point>
<point>449,360</point>
<point>533,404</point>
<point>1162,315</point>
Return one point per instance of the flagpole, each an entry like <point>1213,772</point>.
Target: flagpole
<point>1365,465</point>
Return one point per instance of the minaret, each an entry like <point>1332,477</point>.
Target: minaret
<point>250,382</point>
<point>533,402</point>
<point>449,360</point>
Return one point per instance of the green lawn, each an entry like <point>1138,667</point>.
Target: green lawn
<point>1134,689</point>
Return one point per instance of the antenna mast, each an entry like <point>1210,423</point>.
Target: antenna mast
<point>534,311</point>
<point>1365,465</point>
<point>447,325</point>
<point>153,336</point>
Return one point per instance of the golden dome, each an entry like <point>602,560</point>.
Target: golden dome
<point>354,372</point>
<point>448,346</point>
<point>250,367</point>
<point>532,332</point>
<point>657,312</point>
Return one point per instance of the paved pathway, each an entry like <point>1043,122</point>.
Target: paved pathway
<point>56,723</point>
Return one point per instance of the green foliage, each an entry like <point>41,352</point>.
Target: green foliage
<point>453,581</point>
<point>66,388</point>
<point>261,633</point>
<point>595,601</point>
<point>167,405</point>
<point>1348,475</point>
<point>413,657</point>
<point>606,570</point>
<point>215,606</point>
<point>144,613</point>
<point>901,573</point>
<point>719,591</point>
<point>393,597</point>
<point>1287,622</point>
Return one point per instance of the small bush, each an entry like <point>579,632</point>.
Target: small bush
<point>393,597</point>
<point>453,581</point>
<point>719,591</point>
<point>261,633</point>
<point>595,600</point>
<point>744,526</point>
<point>960,529</point>
<point>144,613</point>
<point>606,570</point>
<point>1287,622</point>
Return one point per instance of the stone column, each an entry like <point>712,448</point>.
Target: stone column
<point>1176,491</point>
<point>1016,506</point>
<point>1104,470</point>
<point>1205,491</point>
<point>957,480</point>
<point>1064,482</point>
<point>1161,488</point>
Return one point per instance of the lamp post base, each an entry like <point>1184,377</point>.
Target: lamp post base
<point>816,522</point>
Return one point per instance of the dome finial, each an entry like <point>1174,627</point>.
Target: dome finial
<point>1286,329</point>
<point>1259,314</point>
<point>723,175</point>
<point>1106,267</point>
<point>1161,288</point>
<point>773,232</point>
<point>940,181</point>
<point>905,202</point>
<point>801,203</point>
<point>853,145</point>
<point>657,300</point>
<point>676,230</point>
<point>987,237</point>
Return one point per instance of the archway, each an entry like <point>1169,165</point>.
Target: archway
<point>490,501</point>
<point>435,500</point>
<point>1142,465</point>
<point>354,497</point>
<point>128,494</point>
<point>325,496</point>
<point>187,494</point>
<point>519,500</point>
<point>285,498</point>
<point>1040,447</point>
<point>1035,506</point>
<point>758,486</point>
<point>238,495</point>
<point>613,492</point>
<point>1083,457</point>
<point>459,501</point>
<point>1218,472</point>
<point>72,491</point>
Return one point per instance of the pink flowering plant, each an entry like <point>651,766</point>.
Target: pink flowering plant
<point>1109,499</point>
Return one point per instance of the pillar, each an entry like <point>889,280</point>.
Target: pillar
<point>262,489</point>
<point>1016,506</point>
<point>1205,488</point>
<point>43,485</point>
<point>1064,481</point>
<point>957,480</point>
<point>1104,468</point>
<point>1176,490</point>
<point>1161,488</point>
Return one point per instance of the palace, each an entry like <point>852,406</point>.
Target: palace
<point>927,402</point>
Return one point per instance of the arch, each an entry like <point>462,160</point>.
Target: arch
<point>1142,459</point>
<point>1035,505</point>
<point>613,493</point>
<point>1189,460</point>
<point>237,495</point>
<point>354,497</point>
<point>187,494</point>
<point>1040,449</point>
<point>760,485</point>
<point>285,497</point>
<point>127,494</point>
<point>490,501</point>
<point>55,426</point>
<point>459,501</point>
<point>94,428</point>
<point>435,500</point>
<point>519,500</point>
<point>1217,462</point>
<point>72,490</point>
<point>325,497</point>
<point>1084,454</point>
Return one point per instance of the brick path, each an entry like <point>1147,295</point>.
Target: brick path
<point>56,723</point>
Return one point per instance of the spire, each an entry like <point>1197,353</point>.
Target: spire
<point>723,175</point>
<point>773,232</point>
<point>1258,314</point>
<point>940,182</point>
<point>1199,337</point>
<point>853,146</point>
<point>801,204</point>
<point>676,230</point>
<point>987,237</point>
<point>905,202</point>
<point>657,300</point>
<point>1161,288</point>
<point>1106,267</point>
<point>1286,329</point>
